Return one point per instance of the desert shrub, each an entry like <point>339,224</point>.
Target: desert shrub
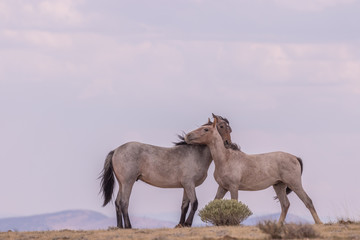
<point>272,228</point>
<point>292,231</point>
<point>288,231</point>
<point>221,212</point>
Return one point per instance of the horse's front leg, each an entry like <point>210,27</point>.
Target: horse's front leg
<point>220,193</point>
<point>234,193</point>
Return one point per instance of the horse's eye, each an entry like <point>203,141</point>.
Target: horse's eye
<point>221,126</point>
<point>205,129</point>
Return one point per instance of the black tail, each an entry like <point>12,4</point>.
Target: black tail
<point>288,190</point>
<point>107,179</point>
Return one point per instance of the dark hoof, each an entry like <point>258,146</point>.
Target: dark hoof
<point>179,226</point>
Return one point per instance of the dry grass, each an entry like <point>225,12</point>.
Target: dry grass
<point>339,231</point>
<point>347,221</point>
<point>203,233</point>
<point>300,231</point>
<point>271,228</point>
<point>333,231</point>
<point>288,231</point>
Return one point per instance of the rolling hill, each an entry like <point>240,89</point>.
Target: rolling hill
<point>74,220</point>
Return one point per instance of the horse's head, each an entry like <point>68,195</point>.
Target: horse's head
<point>224,129</point>
<point>222,126</point>
<point>204,134</point>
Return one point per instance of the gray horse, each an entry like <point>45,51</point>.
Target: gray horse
<point>182,166</point>
<point>236,170</point>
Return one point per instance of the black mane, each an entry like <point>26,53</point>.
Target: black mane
<point>233,146</point>
<point>182,140</point>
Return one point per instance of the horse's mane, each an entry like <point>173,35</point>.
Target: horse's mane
<point>233,146</point>
<point>181,141</point>
<point>224,119</point>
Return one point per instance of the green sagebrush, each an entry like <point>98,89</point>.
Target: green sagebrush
<point>221,212</point>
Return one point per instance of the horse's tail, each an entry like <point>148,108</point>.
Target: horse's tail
<point>288,190</point>
<point>107,179</point>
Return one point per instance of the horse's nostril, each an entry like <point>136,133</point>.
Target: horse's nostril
<point>226,142</point>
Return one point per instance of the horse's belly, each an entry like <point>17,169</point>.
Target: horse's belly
<point>161,182</point>
<point>256,185</point>
<point>253,187</point>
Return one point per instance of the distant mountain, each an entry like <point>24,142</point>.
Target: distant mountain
<point>90,220</point>
<point>74,220</point>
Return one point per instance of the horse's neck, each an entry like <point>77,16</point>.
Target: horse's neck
<point>205,157</point>
<point>218,150</point>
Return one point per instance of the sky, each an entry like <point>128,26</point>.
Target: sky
<point>79,78</point>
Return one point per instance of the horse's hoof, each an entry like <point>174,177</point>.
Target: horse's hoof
<point>179,226</point>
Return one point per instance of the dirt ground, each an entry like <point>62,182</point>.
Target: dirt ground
<point>335,231</point>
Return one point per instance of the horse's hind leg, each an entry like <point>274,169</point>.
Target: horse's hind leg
<point>124,202</point>
<point>280,189</point>
<point>190,192</point>
<point>184,209</point>
<point>307,201</point>
<point>118,210</point>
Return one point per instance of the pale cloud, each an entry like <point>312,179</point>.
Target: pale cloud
<point>312,5</point>
<point>38,38</point>
<point>140,65</point>
<point>35,66</point>
<point>62,10</point>
<point>97,87</point>
<point>271,60</point>
<point>167,63</point>
<point>320,63</point>
<point>325,63</point>
<point>4,10</point>
<point>35,13</point>
<point>350,70</point>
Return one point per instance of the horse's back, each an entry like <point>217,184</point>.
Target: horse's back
<point>277,157</point>
<point>278,163</point>
<point>177,155</point>
<point>161,166</point>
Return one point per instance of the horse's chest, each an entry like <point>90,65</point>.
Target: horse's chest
<point>224,178</point>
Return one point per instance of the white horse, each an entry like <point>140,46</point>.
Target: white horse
<point>236,170</point>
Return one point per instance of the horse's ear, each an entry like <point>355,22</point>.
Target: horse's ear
<point>209,121</point>
<point>214,116</point>
<point>215,122</point>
